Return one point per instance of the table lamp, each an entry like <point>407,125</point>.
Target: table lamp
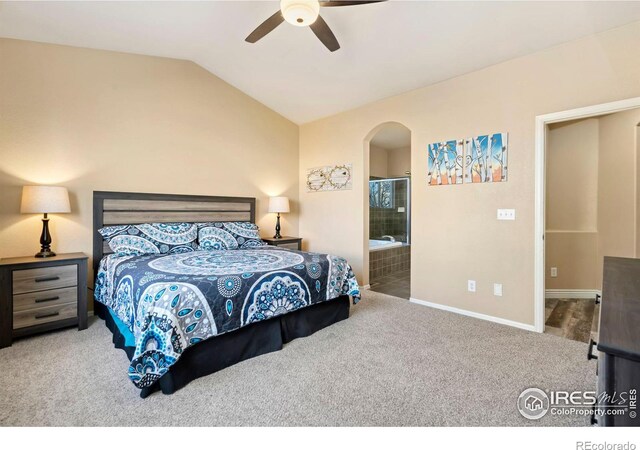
<point>45,200</point>
<point>278,205</point>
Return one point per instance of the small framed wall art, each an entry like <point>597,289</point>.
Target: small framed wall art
<point>329,178</point>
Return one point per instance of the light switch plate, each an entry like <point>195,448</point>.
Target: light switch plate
<point>506,214</point>
<point>497,289</point>
<point>401,209</point>
<point>554,272</point>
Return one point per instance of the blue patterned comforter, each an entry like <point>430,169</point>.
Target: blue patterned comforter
<point>170,302</point>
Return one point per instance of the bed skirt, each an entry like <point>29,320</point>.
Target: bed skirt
<point>225,350</point>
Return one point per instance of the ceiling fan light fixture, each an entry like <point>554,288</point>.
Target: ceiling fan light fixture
<point>300,13</point>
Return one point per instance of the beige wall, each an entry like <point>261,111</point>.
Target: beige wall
<point>575,255</point>
<point>571,243</point>
<point>572,176</point>
<point>399,162</point>
<point>98,120</point>
<point>390,163</point>
<point>379,162</point>
<point>456,236</point>
<point>617,186</point>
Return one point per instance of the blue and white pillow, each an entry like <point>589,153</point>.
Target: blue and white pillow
<point>151,238</point>
<point>228,236</point>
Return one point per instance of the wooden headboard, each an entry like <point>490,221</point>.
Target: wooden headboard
<point>123,208</point>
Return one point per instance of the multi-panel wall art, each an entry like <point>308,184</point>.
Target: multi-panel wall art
<point>329,178</point>
<point>480,159</point>
<point>486,159</point>
<point>445,163</point>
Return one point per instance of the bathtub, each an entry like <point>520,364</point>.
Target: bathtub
<point>388,258</point>
<point>375,244</point>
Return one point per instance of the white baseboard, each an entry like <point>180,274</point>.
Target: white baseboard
<point>571,293</point>
<point>464,312</point>
<point>366,287</point>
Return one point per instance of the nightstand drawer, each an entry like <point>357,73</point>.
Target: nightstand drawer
<point>288,242</point>
<point>41,299</point>
<point>291,246</point>
<point>44,278</point>
<point>45,314</point>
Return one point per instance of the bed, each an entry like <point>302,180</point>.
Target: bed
<point>179,316</point>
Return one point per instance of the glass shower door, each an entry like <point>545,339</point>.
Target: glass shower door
<point>389,209</point>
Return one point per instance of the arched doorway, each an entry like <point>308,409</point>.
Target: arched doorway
<point>387,206</point>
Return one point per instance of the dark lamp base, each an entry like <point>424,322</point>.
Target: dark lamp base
<point>278,235</point>
<point>45,254</point>
<point>45,240</point>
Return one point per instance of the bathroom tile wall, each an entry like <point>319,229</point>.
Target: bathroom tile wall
<point>389,261</point>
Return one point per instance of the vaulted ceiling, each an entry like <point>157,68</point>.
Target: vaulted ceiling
<point>387,48</point>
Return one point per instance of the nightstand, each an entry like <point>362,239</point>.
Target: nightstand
<point>42,294</point>
<point>290,242</point>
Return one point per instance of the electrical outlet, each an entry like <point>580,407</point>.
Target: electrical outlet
<point>506,214</point>
<point>471,285</point>
<point>554,272</point>
<point>401,209</point>
<point>497,289</point>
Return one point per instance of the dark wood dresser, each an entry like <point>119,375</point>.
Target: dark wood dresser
<point>618,344</point>
<point>42,294</point>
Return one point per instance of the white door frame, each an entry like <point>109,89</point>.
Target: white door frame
<point>540,140</point>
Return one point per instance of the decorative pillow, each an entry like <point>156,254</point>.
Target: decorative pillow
<point>228,235</point>
<point>150,238</point>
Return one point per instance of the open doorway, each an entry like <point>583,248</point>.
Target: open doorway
<point>389,207</point>
<point>590,210</point>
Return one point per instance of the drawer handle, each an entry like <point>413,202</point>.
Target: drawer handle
<point>42,279</point>
<point>48,299</point>
<point>590,354</point>
<point>598,299</point>
<point>43,316</point>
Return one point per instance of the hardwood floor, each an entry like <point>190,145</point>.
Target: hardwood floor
<point>571,318</point>
<point>397,284</point>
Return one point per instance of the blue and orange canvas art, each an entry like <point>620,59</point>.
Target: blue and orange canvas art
<point>445,163</point>
<point>486,158</point>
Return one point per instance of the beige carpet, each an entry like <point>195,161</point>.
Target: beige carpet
<point>391,363</point>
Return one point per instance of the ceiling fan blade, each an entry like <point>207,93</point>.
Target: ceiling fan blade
<point>324,33</point>
<point>265,27</point>
<point>348,3</point>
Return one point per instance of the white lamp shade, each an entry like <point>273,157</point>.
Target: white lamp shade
<point>278,205</point>
<point>44,199</point>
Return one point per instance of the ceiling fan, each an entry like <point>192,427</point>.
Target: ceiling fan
<point>304,13</point>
